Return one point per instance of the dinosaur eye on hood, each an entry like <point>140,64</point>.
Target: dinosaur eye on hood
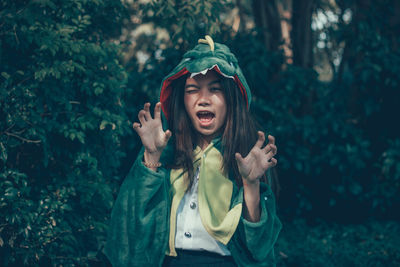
<point>205,56</point>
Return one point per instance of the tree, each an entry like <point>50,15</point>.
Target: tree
<point>61,128</point>
<point>302,34</point>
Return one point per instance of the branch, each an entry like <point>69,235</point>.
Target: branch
<point>24,80</point>
<point>9,128</point>
<point>22,139</point>
<point>15,33</point>
<point>17,13</point>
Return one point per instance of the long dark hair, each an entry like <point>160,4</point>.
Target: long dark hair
<point>239,131</point>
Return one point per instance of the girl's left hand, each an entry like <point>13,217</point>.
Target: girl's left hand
<point>258,161</point>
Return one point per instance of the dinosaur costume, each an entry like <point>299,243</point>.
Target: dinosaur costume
<point>143,220</point>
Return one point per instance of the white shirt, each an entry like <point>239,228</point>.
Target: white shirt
<point>190,232</point>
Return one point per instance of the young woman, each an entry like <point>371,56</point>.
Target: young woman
<point>198,198</point>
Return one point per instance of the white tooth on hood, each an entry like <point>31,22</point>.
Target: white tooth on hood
<point>203,72</point>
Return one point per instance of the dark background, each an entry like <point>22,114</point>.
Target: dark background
<point>325,79</point>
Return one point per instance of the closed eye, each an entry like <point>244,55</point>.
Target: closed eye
<point>191,91</point>
<point>215,89</point>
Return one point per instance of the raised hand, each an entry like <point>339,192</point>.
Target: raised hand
<point>150,130</point>
<point>258,161</point>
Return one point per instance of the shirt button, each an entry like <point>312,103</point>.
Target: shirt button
<point>192,205</point>
<point>188,235</point>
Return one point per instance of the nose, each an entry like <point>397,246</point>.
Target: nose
<point>204,97</point>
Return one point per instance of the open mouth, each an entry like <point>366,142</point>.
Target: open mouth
<point>205,117</point>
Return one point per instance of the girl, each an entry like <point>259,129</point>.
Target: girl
<point>197,199</point>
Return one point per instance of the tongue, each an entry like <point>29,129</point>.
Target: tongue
<point>206,117</point>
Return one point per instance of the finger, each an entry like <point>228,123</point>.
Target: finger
<point>260,140</point>
<point>168,135</point>
<point>270,155</point>
<point>267,149</point>
<point>239,158</point>
<point>270,148</point>
<point>136,127</point>
<point>157,111</point>
<point>274,149</point>
<point>271,139</point>
<point>273,162</point>
<point>141,117</point>
<point>147,114</point>
<point>270,164</point>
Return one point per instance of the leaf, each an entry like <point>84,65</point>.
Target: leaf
<point>3,153</point>
<point>98,91</point>
<point>5,75</point>
<point>81,137</point>
<point>103,125</point>
<point>11,193</point>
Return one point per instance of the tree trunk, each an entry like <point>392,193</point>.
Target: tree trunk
<point>301,35</point>
<point>267,18</point>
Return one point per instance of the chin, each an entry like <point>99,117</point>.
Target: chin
<point>205,134</point>
<point>208,134</point>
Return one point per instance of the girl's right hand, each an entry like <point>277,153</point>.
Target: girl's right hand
<point>150,130</point>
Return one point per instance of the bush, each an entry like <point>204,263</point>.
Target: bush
<point>327,244</point>
<point>62,124</point>
<point>332,162</point>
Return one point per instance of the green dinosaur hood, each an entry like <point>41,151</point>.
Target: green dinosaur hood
<point>205,56</point>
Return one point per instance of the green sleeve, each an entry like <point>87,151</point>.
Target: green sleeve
<point>138,227</point>
<point>253,243</point>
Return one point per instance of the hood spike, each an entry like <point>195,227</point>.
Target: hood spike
<point>208,40</point>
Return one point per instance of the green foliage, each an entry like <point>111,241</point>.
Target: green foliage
<point>187,18</point>
<point>67,103</point>
<point>368,244</point>
<point>62,125</point>
<point>336,140</point>
<point>387,180</point>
